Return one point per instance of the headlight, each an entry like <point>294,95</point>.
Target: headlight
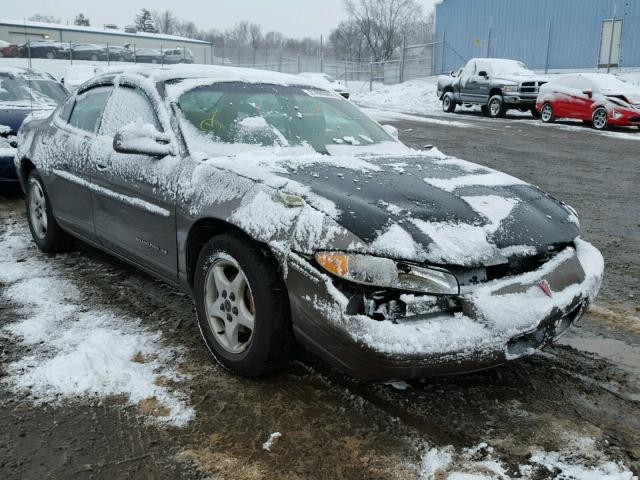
<point>510,88</point>
<point>387,273</point>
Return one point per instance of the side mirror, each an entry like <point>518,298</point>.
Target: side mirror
<point>588,92</point>
<point>452,73</point>
<point>142,139</point>
<point>483,74</point>
<point>391,130</point>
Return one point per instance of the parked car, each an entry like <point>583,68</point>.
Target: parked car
<point>326,81</point>
<point>178,55</point>
<point>84,51</point>
<point>41,49</point>
<point>147,55</point>
<point>598,99</point>
<point>8,49</point>
<point>280,206</point>
<point>22,92</point>
<point>119,54</point>
<point>496,84</point>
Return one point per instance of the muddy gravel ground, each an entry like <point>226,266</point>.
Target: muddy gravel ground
<point>587,386</point>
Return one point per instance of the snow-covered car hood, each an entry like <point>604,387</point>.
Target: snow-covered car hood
<point>424,206</point>
<point>520,78</point>
<point>633,96</point>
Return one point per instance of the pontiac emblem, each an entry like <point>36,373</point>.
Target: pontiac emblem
<point>544,286</point>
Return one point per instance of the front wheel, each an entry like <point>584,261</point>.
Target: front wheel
<point>600,118</point>
<point>50,55</point>
<point>94,57</point>
<point>546,114</point>
<point>46,232</point>
<point>448,103</point>
<point>497,108</point>
<point>242,305</point>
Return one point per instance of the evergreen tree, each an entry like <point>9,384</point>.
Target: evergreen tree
<point>144,21</point>
<point>81,20</point>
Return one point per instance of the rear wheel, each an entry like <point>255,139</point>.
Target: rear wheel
<point>448,103</point>
<point>546,114</point>
<point>46,232</point>
<point>94,57</point>
<point>497,107</point>
<point>50,55</point>
<point>242,305</point>
<point>600,118</point>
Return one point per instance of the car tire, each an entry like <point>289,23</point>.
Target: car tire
<point>448,103</point>
<point>46,232</point>
<point>245,321</point>
<point>50,55</point>
<point>547,114</point>
<point>153,60</point>
<point>535,113</point>
<point>600,118</point>
<point>496,107</point>
<point>94,58</point>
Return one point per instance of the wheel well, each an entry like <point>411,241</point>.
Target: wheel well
<point>495,91</point>
<point>26,166</point>
<point>445,91</point>
<point>199,234</point>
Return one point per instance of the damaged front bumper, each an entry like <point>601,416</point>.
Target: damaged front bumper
<point>498,321</point>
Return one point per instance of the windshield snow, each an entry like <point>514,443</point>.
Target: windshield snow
<point>510,67</point>
<point>27,90</point>
<point>264,114</point>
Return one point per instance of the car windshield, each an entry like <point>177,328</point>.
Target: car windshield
<point>610,83</point>
<point>264,114</point>
<point>510,67</point>
<point>30,89</point>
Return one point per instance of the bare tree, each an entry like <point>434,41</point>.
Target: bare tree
<point>255,35</point>
<point>38,17</point>
<point>238,35</point>
<point>348,43</point>
<point>165,21</point>
<point>186,28</point>
<point>383,23</point>
<point>273,40</point>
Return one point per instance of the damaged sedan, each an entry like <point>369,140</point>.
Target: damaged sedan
<point>290,215</point>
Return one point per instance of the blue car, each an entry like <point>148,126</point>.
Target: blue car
<point>22,91</point>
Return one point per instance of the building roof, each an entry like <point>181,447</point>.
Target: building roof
<point>106,31</point>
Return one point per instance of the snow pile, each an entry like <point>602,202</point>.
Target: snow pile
<point>75,351</point>
<point>273,439</point>
<point>580,460</point>
<point>414,96</point>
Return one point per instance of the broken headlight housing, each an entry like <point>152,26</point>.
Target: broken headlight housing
<point>386,273</point>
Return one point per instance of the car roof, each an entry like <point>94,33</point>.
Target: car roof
<point>21,71</point>
<point>214,73</point>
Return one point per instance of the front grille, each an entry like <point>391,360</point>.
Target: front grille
<point>634,119</point>
<point>530,87</point>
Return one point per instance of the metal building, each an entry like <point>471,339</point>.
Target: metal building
<point>544,34</point>
<point>16,31</point>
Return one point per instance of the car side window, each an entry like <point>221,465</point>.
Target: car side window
<point>127,105</point>
<point>88,108</point>
<point>65,110</point>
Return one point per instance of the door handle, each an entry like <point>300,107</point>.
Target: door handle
<point>101,167</point>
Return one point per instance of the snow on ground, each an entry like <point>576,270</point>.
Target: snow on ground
<point>581,459</point>
<point>419,96</point>
<point>76,351</point>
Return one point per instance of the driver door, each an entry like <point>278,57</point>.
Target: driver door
<point>468,82</point>
<point>134,212</point>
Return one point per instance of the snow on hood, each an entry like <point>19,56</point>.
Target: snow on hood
<point>524,77</point>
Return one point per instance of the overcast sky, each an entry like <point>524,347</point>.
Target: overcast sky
<point>294,18</point>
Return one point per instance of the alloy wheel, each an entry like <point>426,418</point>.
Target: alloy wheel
<point>229,305</point>
<point>600,118</point>
<point>547,113</point>
<point>38,210</point>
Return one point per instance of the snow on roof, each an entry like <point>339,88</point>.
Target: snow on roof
<point>106,31</point>
<point>205,74</point>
